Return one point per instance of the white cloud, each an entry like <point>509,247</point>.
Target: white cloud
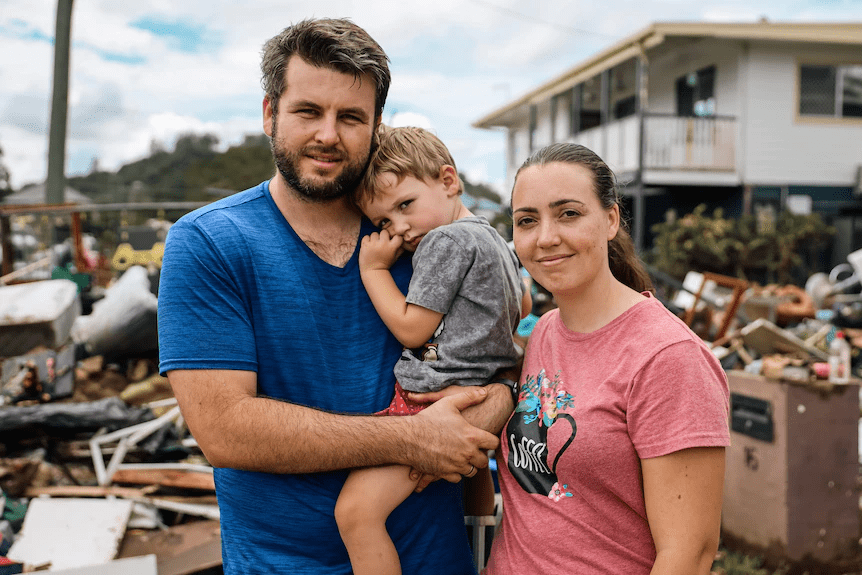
<point>453,62</point>
<point>401,119</point>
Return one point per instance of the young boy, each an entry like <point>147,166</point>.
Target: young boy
<point>456,323</point>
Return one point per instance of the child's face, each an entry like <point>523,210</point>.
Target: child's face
<point>412,207</point>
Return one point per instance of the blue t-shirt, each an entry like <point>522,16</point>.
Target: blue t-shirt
<point>240,290</point>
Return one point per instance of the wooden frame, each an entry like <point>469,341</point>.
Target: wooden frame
<point>738,285</point>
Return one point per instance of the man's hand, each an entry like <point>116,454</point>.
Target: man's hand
<point>490,415</point>
<point>379,251</point>
<point>446,445</point>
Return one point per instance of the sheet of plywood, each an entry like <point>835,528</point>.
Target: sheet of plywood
<point>71,532</point>
<point>766,338</point>
<point>180,549</point>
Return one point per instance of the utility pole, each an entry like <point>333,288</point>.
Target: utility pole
<point>55,183</point>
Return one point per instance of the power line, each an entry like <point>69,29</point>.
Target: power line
<point>520,16</point>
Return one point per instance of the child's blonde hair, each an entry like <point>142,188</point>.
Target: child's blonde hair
<point>403,152</point>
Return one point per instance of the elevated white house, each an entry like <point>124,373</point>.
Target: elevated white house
<point>731,115</point>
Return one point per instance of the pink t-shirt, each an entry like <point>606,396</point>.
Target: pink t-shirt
<point>591,407</point>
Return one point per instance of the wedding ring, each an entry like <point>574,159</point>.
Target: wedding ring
<point>472,471</point>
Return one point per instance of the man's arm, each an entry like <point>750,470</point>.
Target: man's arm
<point>236,428</point>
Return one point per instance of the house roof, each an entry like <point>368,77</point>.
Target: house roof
<point>848,33</point>
<point>35,194</point>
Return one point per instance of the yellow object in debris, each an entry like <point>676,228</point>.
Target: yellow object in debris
<point>125,256</point>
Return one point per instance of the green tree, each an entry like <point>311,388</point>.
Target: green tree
<point>740,247</point>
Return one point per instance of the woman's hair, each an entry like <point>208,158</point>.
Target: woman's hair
<point>624,261</point>
<point>402,152</point>
<point>338,44</point>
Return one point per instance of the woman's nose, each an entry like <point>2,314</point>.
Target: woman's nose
<point>548,235</point>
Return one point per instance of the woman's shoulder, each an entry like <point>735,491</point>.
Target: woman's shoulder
<point>653,325</point>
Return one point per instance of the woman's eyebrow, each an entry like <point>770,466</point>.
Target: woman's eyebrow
<point>559,203</point>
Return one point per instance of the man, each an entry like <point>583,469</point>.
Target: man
<point>268,337</point>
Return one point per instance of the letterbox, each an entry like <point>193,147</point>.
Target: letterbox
<point>791,477</point>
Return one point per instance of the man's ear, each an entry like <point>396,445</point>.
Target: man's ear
<point>267,116</point>
<point>450,179</point>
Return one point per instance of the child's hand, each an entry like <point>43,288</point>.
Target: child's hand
<point>378,251</point>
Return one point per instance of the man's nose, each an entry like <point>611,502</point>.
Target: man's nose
<point>327,131</point>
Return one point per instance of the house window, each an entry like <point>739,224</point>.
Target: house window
<point>591,98</point>
<point>695,93</point>
<point>834,91</point>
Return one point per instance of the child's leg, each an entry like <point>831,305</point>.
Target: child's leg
<point>479,493</point>
<point>368,497</point>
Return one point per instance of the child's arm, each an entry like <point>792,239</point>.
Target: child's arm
<point>411,324</point>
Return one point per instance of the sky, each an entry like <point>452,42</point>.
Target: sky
<point>143,73</point>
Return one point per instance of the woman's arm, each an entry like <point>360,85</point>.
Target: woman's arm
<point>683,493</point>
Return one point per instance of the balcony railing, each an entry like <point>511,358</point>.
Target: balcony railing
<point>689,143</point>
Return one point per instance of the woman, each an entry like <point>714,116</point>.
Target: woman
<point>613,461</point>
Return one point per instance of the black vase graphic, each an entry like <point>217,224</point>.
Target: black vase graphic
<point>528,452</point>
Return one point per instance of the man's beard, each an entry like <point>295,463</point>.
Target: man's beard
<point>343,184</point>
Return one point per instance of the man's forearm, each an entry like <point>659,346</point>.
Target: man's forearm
<point>493,413</point>
<point>261,434</point>
<point>237,429</point>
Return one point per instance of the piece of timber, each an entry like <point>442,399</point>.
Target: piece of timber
<point>166,477</point>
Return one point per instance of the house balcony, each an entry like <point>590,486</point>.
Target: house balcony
<point>676,150</point>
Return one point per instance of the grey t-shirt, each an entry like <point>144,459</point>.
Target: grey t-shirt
<point>467,272</point>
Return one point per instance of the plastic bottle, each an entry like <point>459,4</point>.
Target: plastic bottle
<point>839,359</point>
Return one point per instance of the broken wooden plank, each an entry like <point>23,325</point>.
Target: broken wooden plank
<point>166,478</point>
<point>145,565</point>
<point>90,491</point>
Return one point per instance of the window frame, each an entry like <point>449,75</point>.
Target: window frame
<point>838,115</point>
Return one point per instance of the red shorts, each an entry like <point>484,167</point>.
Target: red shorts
<point>401,404</point>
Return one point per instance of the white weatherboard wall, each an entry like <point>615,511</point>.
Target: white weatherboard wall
<point>668,63</point>
<point>782,147</point>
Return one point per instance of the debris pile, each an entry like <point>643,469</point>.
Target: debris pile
<point>98,467</point>
<point>96,464</point>
<point>782,332</point>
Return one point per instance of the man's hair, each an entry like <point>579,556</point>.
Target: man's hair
<point>404,152</point>
<point>338,44</point>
